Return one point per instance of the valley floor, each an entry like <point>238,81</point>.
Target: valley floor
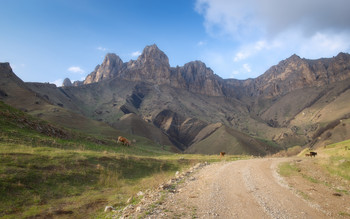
<point>252,189</point>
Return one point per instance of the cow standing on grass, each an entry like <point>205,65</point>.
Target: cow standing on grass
<point>313,154</point>
<point>222,154</point>
<point>123,140</point>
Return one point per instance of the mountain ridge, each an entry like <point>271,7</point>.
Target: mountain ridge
<point>153,66</point>
<point>190,106</point>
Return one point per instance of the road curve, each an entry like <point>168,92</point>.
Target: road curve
<point>239,189</point>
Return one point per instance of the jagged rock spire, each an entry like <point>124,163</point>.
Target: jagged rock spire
<point>110,67</point>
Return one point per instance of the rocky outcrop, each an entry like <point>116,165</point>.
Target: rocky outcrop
<point>196,77</point>
<point>110,68</point>
<point>6,72</point>
<point>67,83</point>
<point>296,73</point>
<point>151,66</point>
<point>78,83</point>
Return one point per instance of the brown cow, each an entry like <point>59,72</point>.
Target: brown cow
<point>123,140</point>
<point>307,155</point>
<point>222,154</point>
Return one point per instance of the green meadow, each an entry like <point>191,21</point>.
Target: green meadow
<point>50,171</point>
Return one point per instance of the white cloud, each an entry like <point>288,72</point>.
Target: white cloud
<point>264,32</point>
<point>217,61</point>
<point>243,70</point>
<point>101,48</point>
<point>242,18</point>
<point>249,50</point>
<point>324,45</point>
<point>76,69</point>
<point>247,67</point>
<point>58,82</point>
<point>241,56</point>
<point>135,54</point>
<point>224,17</point>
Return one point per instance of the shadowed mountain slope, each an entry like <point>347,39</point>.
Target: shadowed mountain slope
<point>232,142</point>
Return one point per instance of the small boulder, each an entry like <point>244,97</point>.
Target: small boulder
<point>109,208</point>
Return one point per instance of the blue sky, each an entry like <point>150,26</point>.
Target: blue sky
<point>49,40</point>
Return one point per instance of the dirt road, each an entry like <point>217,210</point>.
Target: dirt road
<point>239,189</point>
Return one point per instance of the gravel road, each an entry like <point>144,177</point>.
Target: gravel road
<point>239,189</point>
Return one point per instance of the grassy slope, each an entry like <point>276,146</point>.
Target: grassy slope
<point>333,160</point>
<point>42,166</point>
<point>49,171</point>
<point>323,180</point>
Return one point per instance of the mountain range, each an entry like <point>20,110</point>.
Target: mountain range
<point>296,102</point>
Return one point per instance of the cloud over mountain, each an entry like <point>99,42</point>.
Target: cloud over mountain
<point>262,30</point>
<point>273,17</point>
<point>76,69</point>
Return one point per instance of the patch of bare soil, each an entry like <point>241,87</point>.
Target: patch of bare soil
<point>242,189</point>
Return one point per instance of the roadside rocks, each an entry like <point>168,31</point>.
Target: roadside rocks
<point>140,193</point>
<point>109,208</point>
<point>152,200</point>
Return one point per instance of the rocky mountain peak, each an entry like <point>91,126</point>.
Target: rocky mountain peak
<point>5,68</point>
<point>110,67</point>
<point>198,78</point>
<point>152,66</point>
<point>197,68</point>
<point>196,71</point>
<point>5,65</point>
<point>112,63</point>
<point>154,56</point>
<point>111,57</point>
<point>293,58</point>
<point>67,83</point>
<point>295,73</point>
<point>342,56</point>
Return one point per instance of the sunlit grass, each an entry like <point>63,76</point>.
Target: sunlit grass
<point>337,159</point>
<point>74,174</point>
<point>334,159</point>
<point>40,176</point>
<point>287,169</point>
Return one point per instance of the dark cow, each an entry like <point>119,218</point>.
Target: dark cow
<point>313,154</point>
<point>222,154</point>
<point>123,140</point>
